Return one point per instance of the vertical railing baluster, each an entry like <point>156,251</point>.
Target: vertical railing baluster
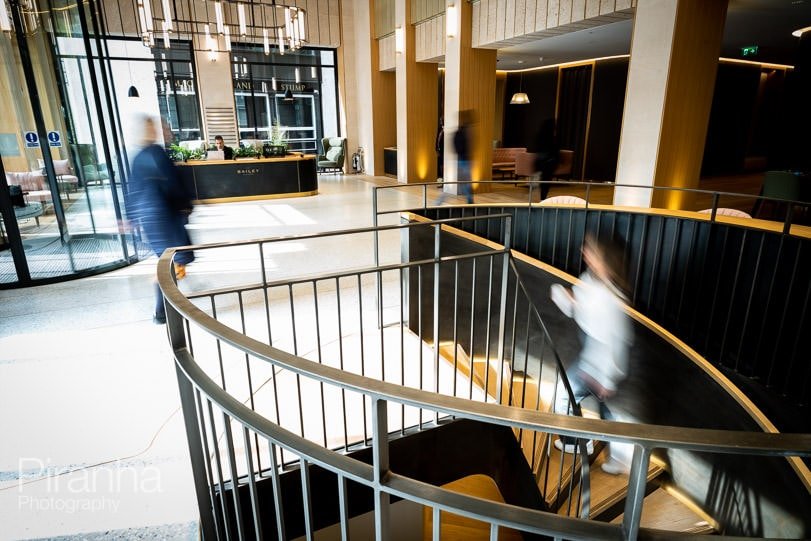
<point>419,334</point>
<point>436,530</point>
<point>320,359</point>
<point>248,369</point>
<point>502,311</point>
<point>232,467</point>
<point>455,324</point>
<point>219,344</point>
<point>789,293</point>
<point>765,320</point>
<point>278,505</point>
<point>487,330</point>
<point>343,508</point>
<point>403,273</point>
<point>493,532</point>
<point>257,516</point>
<point>735,280</point>
<point>295,352</point>
<point>362,355</point>
<point>306,499</point>
<point>220,480</point>
<point>380,462</point>
<point>793,358</point>
<point>637,480</point>
<point>188,406</point>
<point>218,524</point>
<point>437,255</point>
<point>472,329</point>
<point>379,276</point>
<point>341,358</point>
<point>685,281</point>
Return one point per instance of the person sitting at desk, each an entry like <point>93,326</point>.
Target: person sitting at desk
<point>228,152</point>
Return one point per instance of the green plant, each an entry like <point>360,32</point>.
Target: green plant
<point>248,151</point>
<point>277,134</point>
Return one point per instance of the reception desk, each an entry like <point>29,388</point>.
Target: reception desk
<point>216,181</point>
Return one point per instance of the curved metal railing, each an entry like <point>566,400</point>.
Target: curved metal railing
<point>213,336</point>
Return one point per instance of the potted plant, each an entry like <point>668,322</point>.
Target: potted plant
<point>278,141</point>
<point>245,151</point>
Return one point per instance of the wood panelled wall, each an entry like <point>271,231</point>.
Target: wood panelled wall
<point>430,39</point>
<point>499,23</point>
<point>422,10</point>
<point>323,18</point>
<point>383,17</point>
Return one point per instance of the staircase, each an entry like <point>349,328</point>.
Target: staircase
<point>557,473</point>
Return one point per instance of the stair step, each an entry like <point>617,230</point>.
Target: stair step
<point>666,509</point>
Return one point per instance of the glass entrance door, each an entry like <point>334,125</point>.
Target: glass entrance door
<point>57,142</point>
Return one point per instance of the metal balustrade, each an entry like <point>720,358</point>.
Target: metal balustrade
<point>296,374</point>
<point>736,290</point>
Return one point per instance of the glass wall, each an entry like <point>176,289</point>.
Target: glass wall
<point>61,148</point>
<point>296,90</point>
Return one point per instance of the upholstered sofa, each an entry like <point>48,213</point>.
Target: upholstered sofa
<point>32,182</point>
<point>68,182</point>
<point>504,160</point>
<point>334,154</point>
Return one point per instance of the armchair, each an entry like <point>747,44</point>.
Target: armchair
<point>93,171</point>
<point>334,154</point>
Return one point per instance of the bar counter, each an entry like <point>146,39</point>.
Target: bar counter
<point>247,179</point>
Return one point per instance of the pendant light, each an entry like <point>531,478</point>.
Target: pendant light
<point>133,92</point>
<point>520,98</point>
<point>288,95</point>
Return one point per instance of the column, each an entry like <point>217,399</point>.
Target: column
<point>470,83</point>
<point>216,87</point>
<point>417,105</point>
<point>671,79</point>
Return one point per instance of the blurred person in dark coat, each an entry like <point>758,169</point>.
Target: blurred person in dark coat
<point>547,154</point>
<point>159,203</point>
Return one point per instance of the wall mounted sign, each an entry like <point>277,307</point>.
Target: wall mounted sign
<point>31,139</point>
<point>54,139</point>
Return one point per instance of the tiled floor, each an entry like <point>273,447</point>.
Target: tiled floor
<point>92,438</point>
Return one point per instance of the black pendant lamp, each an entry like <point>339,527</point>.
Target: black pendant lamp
<point>288,95</point>
<point>133,92</point>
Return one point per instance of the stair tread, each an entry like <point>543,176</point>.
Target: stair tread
<point>663,511</point>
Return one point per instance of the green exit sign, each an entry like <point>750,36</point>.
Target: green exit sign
<point>749,51</point>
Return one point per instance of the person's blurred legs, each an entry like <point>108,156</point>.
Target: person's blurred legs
<point>159,316</point>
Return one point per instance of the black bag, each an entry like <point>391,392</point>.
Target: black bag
<point>16,193</point>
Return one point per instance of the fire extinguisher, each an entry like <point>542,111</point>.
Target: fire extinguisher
<point>357,161</point>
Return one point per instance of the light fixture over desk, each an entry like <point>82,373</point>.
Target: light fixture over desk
<point>256,20</point>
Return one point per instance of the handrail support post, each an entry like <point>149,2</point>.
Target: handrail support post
<point>637,480</point>
<point>380,461</point>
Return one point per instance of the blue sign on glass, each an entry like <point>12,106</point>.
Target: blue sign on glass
<point>54,139</point>
<point>31,139</point>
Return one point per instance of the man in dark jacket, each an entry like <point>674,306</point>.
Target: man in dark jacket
<point>159,202</point>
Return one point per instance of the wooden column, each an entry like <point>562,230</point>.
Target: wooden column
<point>671,79</point>
<point>470,83</point>
<point>417,95</point>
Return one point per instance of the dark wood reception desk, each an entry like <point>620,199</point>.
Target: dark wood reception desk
<point>216,181</point>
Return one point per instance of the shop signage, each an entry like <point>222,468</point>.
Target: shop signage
<point>31,139</point>
<point>256,86</point>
